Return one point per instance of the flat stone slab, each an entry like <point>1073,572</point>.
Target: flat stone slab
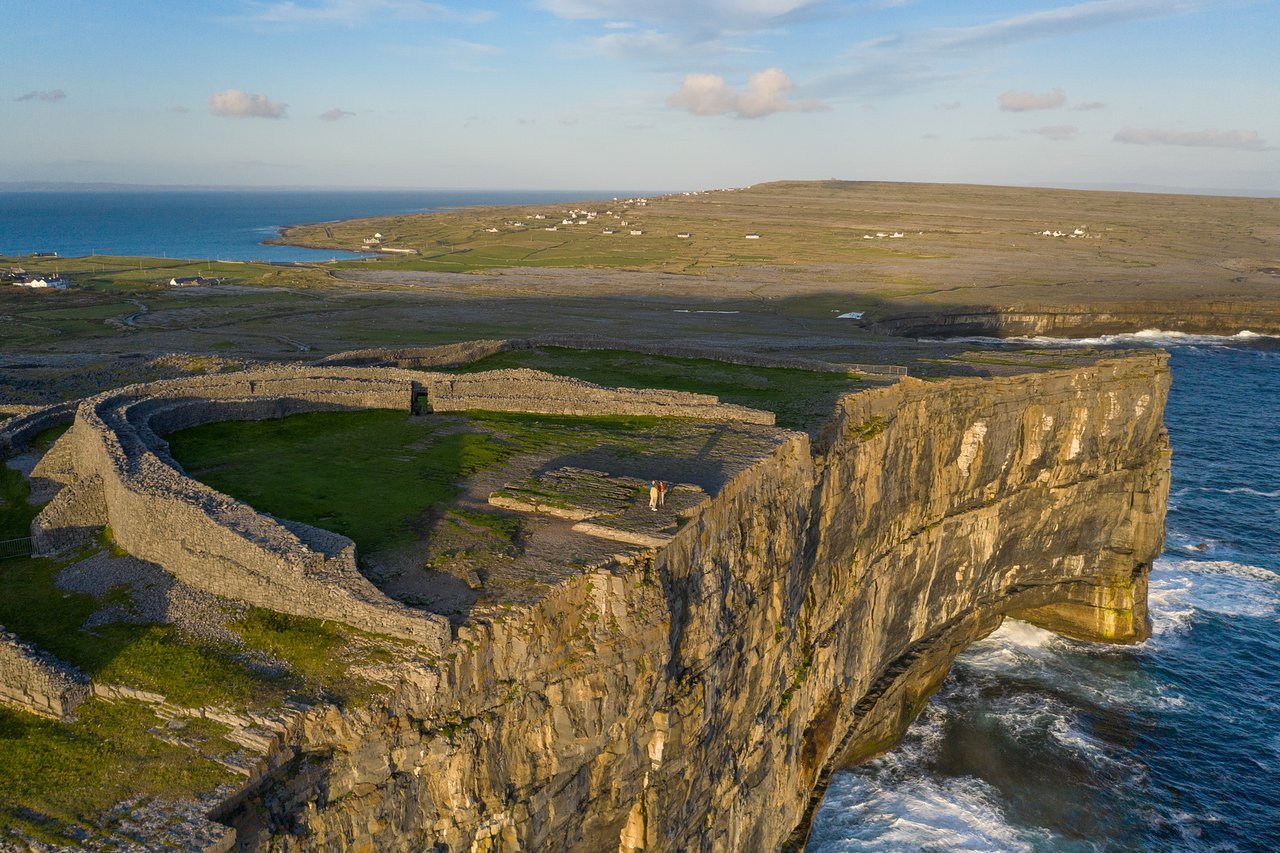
<point>605,506</point>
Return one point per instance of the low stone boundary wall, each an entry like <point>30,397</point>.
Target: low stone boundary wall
<point>121,474</point>
<point>33,680</point>
<point>468,352</point>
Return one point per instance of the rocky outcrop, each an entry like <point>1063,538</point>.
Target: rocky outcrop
<point>698,700</point>
<point>1205,317</point>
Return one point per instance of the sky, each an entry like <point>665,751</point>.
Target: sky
<point>641,94</point>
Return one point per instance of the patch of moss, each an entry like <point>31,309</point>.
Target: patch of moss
<point>869,429</point>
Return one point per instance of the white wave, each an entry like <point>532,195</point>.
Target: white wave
<point>925,813</point>
<point>1146,337</point>
<point>850,315</point>
<point>695,311</point>
<point>1179,589</point>
<point>1245,490</point>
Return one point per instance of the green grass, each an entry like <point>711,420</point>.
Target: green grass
<point>15,512</point>
<point>58,777</point>
<point>368,475</point>
<point>148,657</point>
<point>802,399</point>
<point>375,475</point>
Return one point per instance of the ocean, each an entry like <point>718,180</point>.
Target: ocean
<point>1040,743</point>
<point>214,224</point>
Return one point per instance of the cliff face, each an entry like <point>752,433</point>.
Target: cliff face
<point>699,700</point>
<point>1202,317</point>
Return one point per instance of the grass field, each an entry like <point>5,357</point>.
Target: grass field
<point>367,475</point>
<point>802,399</point>
<point>374,476</point>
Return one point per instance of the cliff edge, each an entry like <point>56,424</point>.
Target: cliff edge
<point>699,698</point>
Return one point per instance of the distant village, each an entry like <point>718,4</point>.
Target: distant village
<point>19,277</point>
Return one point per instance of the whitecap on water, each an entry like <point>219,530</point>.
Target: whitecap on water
<point>1180,588</point>
<point>1146,337</point>
<point>895,803</point>
<point>959,813</point>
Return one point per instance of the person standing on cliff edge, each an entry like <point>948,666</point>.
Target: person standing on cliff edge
<point>653,495</point>
<point>662,493</point>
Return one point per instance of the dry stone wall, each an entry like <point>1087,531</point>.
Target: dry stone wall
<point>35,681</point>
<point>120,473</point>
<point>17,431</point>
<point>535,391</point>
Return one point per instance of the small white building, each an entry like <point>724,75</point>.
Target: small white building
<point>551,228</point>
<point>753,236</point>
<point>636,232</point>
<point>609,231</point>
<point>684,235</point>
<point>42,282</point>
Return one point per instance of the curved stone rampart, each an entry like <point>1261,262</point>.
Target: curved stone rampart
<point>122,475</point>
<point>17,431</point>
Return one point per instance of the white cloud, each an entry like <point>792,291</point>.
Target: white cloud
<point>1056,132</point>
<point>50,96</point>
<point>1244,140</point>
<point>1021,102</point>
<point>766,92</point>
<point>1090,105</point>
<point>639,44</point>
<point>335,114</point>
<point>899,62</point>
<point>353,12</point>
<point>236,104</point>
<point>1063,20</point>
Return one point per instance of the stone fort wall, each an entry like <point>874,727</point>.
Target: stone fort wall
<point>119,472</point>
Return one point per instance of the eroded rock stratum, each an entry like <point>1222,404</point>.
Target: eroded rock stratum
<point>691,691</point>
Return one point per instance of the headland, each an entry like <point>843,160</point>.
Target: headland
<point>508,649</point>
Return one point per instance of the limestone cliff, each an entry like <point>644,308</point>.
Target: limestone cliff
<point>1190,316</point>
<point>698,699</point>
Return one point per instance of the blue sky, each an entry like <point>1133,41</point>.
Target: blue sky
<point>662,94</point>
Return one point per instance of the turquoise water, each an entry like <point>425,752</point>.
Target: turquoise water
<point>213,225</point>
<point>1040,743</point>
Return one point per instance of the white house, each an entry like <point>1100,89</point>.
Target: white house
<point>684,235</point>
<point>551,228</point>
<point>635,232</point>
<point>753,236</point>
<point>51,282</point>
